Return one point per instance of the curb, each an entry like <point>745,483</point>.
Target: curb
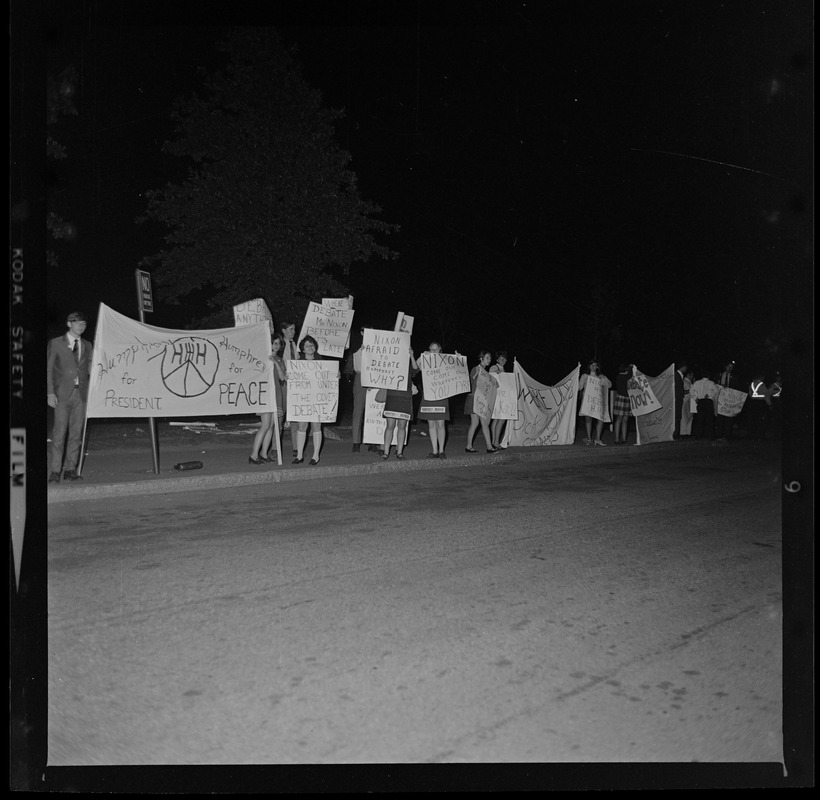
<point>60,494</point>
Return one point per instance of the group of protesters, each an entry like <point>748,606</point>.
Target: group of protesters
<point>695,405</point>
<point>698,417</point>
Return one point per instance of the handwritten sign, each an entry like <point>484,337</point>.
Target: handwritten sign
<point>313,390</point>
<point>251,312</point>
<point>730,402</point>
<point>143,371</point>
<point>484,394</point>
<point>443,375</point>
<point>385,359</point>
<point>374,421</point>
<point>330,327</point>
<point>343,303</point>
<point>506,396</point>
<point>404,323</point>
<point>642,399</point>
<point>595,402</point>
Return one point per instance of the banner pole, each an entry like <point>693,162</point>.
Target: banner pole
<point>151,422</point>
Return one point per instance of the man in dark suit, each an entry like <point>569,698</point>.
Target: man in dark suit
<point>679,373</point>
<point>69,370</point>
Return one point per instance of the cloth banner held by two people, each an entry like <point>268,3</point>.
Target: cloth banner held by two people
<point>143,371</point>
<point>653,405</point>
<point>546,415</point>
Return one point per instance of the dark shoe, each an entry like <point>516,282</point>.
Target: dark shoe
<point>433,455</point>
<point>257,461</point>
<point>385,456</point>
<point>314,462</point>
<point>71,475</point>
<point>399,456</point>
<point>373,448</point>
<point>356,448</point>
<point>470,450</point>
<point>493,450</point>
<point>270,458</point>
<point>54,477</point>
<point>298,460</point>
<point>441,455</point>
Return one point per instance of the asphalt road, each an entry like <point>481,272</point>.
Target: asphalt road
<point>627,610</point>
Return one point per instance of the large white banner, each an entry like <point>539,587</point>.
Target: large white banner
<point>329,326</point>
<point>143,371</point>
<point>313,390</point>
<point>385,359</point>
<point>595,402</point>
<point>658,425</point>
<point>251,312</point>
<point>729,402</point>
<point>506,396</point>
<point>443,375</point>
<point>546,414</point>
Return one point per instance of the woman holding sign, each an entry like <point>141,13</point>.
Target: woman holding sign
<point>436,412</point>
<point>497,426</point>
<point>308,348</point>
<point>480,401</point>
<point>398,411</point>
<point>621,407</point>
<point>594,372</point>
<point>264,436</point>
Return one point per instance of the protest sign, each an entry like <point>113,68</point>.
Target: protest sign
<point>595,400</point>
<point>506,396</point>
<point>251,312</point>
<point>657,425</point>
<point>144,371</point>
<point>313,390</point>
<point>404,323</point>
<point>546,414</point>
<point>330,327</point>
<point>642,399</point>
<point>443,375</point>
<point>484,394</point>
<point>729,401</point>
<point>343,303</point>
<point>374,421</point>
<point>385,359</point>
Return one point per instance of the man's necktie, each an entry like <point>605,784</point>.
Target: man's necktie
<point>76,350</point>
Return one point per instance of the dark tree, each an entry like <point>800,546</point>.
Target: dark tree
<point>60,91</point>
<point>269,207</point>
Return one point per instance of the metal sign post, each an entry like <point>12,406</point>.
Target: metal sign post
<point>145,301</point>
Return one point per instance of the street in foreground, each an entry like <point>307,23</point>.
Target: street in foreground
<point>626,610</point>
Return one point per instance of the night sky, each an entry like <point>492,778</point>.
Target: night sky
<point>631,180</point>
